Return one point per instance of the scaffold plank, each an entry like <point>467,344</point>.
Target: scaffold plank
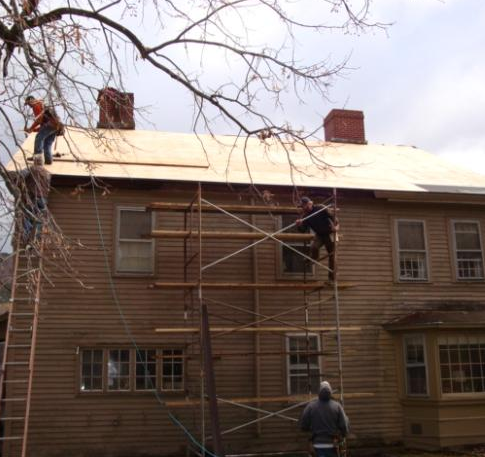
<point>226,235</point>
<point>248,209</point>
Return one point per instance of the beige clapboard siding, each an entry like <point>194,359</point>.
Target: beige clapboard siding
<point>73,317</point>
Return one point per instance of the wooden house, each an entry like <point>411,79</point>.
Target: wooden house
<point>118,368</point>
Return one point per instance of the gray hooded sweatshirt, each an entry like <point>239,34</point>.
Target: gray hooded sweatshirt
<point>325,418</point>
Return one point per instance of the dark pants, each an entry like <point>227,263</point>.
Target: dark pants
<point>317,243</point>
<point>326,452</point>
<point>44,140</point>
<point>33,220</point>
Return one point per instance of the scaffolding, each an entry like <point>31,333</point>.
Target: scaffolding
<point>193,236</point>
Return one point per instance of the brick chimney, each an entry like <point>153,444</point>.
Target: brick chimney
<point>116,109</point>
<point>345,126</point>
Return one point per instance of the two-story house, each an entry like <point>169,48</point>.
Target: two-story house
<point>119,367</point>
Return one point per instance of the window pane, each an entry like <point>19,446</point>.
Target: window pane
<point>412,265</point>
<point>463,371</point>
<point>411,235</point>
<point>172,369</point>
<point>134,224</point>
<point>467,235</point>
<point>135,256</point>
<point>146,369</point>
<point>469,259</point>
<point>119,369</point>
<point>294,262</point>
<point>414,359</point>
<point>91,369</point>
<point>303,369</point>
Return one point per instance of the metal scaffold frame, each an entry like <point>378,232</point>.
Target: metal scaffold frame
<point>257,235</point>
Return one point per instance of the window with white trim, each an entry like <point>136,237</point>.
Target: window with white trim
<point>293,263</point>
<point>462,364</point>
<point>303,363</point>
<point>412,254</point>
<point>468,250</point>
<point>172,369</point>
<point>415,365</point>
<point>134,252</point>
<point>91,370</point>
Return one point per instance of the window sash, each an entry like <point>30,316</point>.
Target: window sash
<point>119,370</point>
<point>173,370</point>
<point>413,260</point>
<point>462,365</point>
<point>468,261</point>
<point>291,263</point>
<point>415,367</point>
<point>90,366</point>
<point>297,372</point>
<point>127,260</point>
<point>146,369</point>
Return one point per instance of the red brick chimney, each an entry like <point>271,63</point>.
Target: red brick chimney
<point>116,109</point>
<point>345,126</point>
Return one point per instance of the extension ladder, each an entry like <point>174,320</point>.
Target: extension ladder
<point>19,351</point>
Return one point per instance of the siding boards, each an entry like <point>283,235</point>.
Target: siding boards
<point>67,421</point>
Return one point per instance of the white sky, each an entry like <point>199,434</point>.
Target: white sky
<point>420,83</point>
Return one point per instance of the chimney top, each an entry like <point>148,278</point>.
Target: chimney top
<point>116,109</point>
<point>345,126</point>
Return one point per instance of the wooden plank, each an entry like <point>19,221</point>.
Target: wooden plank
<point>287,328</point>
<point>226,235</point>
<point>276,399</point>
<point>249,286</point>
<point>248,209</point>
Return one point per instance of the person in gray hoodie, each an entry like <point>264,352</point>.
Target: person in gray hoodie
<point>326,419</point>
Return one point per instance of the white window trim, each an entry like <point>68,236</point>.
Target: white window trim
<point>292,275</point>
<point>398,251</point>
<point>118,239</point>
<point>423,339</point>
<point>455,257</point>
<point>287,345</point>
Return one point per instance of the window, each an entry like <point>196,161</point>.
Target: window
<point>462,364</point>
<point>415,362</point>
<point>119,369</point>
<point>468,250</point>
<point>303,364</point>
<point>291,261</point>
<point>91,370</point>
<point>412,250</point>
<point>134,253</point>
<point>132,370</point>
<point>146,369</point>
<point>172,369</point>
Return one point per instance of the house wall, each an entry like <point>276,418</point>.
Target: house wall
<point>65,421</point>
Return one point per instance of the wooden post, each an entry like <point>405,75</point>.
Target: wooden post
<point>211,384</point>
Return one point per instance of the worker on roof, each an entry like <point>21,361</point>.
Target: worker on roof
<point>324,226</point>
<point>47,125</point>
<point>326,420</point>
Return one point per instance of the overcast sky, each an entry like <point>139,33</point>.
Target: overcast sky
<point>419,83</point>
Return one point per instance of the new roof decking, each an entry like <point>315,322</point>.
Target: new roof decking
<point>138,154</point>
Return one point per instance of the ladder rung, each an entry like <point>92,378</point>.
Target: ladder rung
<point>14,399</point>
<point>16,363</point>
<point>16,381</point>
<point>12,418</point>
<point>22,314</point>
<point>18,330</point>
<point>7,438</point>
<point>20,299</point>
<point>19,346</point>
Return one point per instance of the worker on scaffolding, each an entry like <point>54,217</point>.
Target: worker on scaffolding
<point>47,125</point>
<point>324,225</point>
<point>326,420</point>
<point>31,188</point>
